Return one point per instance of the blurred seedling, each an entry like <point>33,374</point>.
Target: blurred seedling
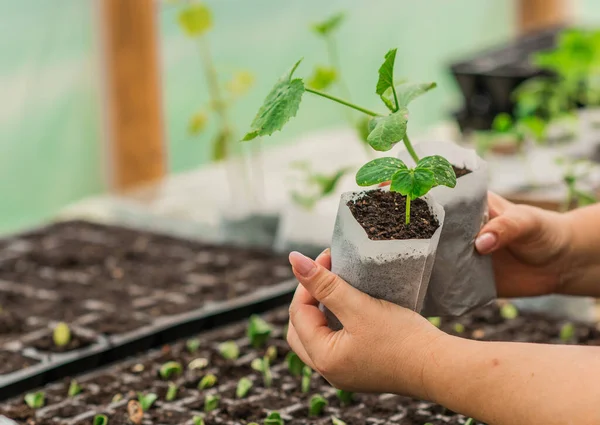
<point>74,388</point>
<point>316,405</point>
<point>345,397</point>
<point>100,420</point>
<point>61,335</point>
<point>192,345</point>
<point>207,381</point>
<point>211,402</point>
<point>263,366</point>
<point>172,391</point>
<point>274,418</point>
<point>229,350</point>
<point>35,400</point>
<point>243,387</point>
<point>306,378</point>
<point>258,331</point>
<point>170,369</point>
<point>294,364</point>
<point>313,186</point>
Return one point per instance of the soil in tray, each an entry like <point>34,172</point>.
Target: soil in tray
<point>10,362</point>
<point>382,215</point>
<point>46,343</point>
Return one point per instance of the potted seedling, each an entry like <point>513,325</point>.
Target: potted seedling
<point>244,220</point>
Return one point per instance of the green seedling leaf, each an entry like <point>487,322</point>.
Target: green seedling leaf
<point>294,363</point>
<point>271,353</point>
<point>35,400</point>
<point>443,171</point>
<point>100,420</point>
<point>328,183</point>
<point>431,171</point>
<point>337,421</point>
<point>407,92</point>
<point>172,392</point>
<point>61,335</point>
<point>306,377</point>
<point>327,26</point>
<point>258,331</point>
<point>274,418</point>
<point>198,364</point>
<point>243,387</point>
<point>378,171</point>
<point>170,369</point>
<point>386,80</point>
<point>229,350</point>
<point>263,366</point>
<point>197,123</point>
<point>386,131</point>
<point>509,311</point>
<point>459,328</point>
<point>567,332</point>
<point>208,381</point>
<point>211,402</point>
<point>322,77</point>
<point>146,400</point>
<point>503,123</point>
<point>435,321</point>
<point>198,420</point>
<point>316,405</point>
<point>257,365</point>
<point>280,105</point>
<point>74,388</point>
<point>192,345</point>
<point>345,397</point>
<point>362,128</point>
<point>469,421</point>
<point>195,19</point>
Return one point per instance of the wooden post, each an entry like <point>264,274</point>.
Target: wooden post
<point>134,123</point>
<point>536,15</point>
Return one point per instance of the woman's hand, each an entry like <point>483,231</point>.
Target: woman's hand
<point>529,248</point>
<point>382,347</point>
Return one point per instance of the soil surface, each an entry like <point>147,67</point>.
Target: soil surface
<point>382,215</point>
<point>461,171</point>
<point>107,391</point>
<point>10,362</point>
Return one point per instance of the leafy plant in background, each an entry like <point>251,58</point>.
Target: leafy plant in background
<point>316,405</point>
<point>35,400</point>
<point>273,418</point>
<point>74,388</point>
<point>211,402</point>
<point>345,397</point>
<point>192,345</point>
<point>316,186</point>
<point>172,391</point>
<point>243,387</point>
<point>229,350</point>
<point>258,331</point>
<point>575,171</point>
<point>100,420</point>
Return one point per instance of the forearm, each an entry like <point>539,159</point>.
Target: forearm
<point>582,273</point>
<point>515,384</point>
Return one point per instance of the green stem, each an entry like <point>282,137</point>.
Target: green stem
<point>342,101</point>
<point>407,209</point>
<point>410,149</point>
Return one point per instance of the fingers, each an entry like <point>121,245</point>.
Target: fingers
<point>297,347</point>
<point>324,259</point>
<point>497,204</point>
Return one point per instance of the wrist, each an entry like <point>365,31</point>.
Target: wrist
<point>571,262</point>
<point>440,367</point>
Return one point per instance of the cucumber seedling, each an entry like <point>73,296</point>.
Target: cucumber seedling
<point>244,386</point>
<point>273,418</point>
<point>170,369</point>
<point>306,377</point>
<point>229,350</point>
<point>172,391</point>
<point>263,366</point>
<point>211,402</point>
<point>100,420</point>
<point>207,381</point>
<point>294,364</point>
<point>35,400</point>
<point>345,397</point>
<point>74,388</point>
<point>258,331</point>
<point>316,405</point>
<point>146,400</point>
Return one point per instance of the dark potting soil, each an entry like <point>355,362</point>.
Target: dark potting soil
<point>10,362</point>
<point>461,171</point>
<point>46,343</point>
<point>141,374</point>
<point>382,215</point>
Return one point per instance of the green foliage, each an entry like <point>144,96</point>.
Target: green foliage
<point>263,366</point>
<point>317,186</point>
<point>407,92</point>
<point>345,397</point>
<point>146,400</point>
<point>172,391</point>
<point>322,77</point>
<point>306,377</point>
<point>280,105</point>
<point>337,421</point>
<point>386,132</point>
<point>61,335</point>
<point>386,80</point>
<point>329,25</point>
<point>575,172</point>
<point>271,353</point>
<point>567,332</point>
<point>207,381</point>
<point>198,420</point>
<point>316,405</point>
<point>244,386</point>
<point>294,364</point>
<point>35,400</point>
<point>435,321</point>
<point>469,421</point>
<point>229,350</point>
<point>195,19</point>
<point>192,345</point>
<point>258,331</point>
<point>509,311</point>
<point>170,369</point>
<point>211,402</point>
<point>502,123</point>
<point>74,388</point>
<point>274,418</point>
<point>459,328</point>
<point>100,420</point>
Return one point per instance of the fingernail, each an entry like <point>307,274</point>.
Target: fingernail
<point>303,265</point>
<point>326,251</point>
<point>486,243</point>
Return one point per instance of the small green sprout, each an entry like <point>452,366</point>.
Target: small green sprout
<point>306,377</point>
<point>198,420</point>
<point>117,398</point>
<point>229,350</point>
<point>208,381</point>
<point>170,369</point>
<point>192,345</point>
<point>274,418</point>
<point>198,364</point>
<point>35,400</point>
<point>345,397</point>
<point>100,420</point>
<point>146,400</point>
<point>337,421</point>
<point>263,366</point>
<point>469,421</point>
<point>74,388</point>
<point>316,405</point>
<point>172,391</point>
<point>258,331</point>
<point>459,328</point>
<point>294,363</point>
<point>435,321</point>
<point>567,332</point>
<point>61,335</point>
<point>271,353</point>
<point>211,402</point>
<point>509,311</point>
<point>243,387</point>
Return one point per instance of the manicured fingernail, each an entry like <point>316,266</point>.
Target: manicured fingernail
<point>486,243</point>
<point>303,265</point>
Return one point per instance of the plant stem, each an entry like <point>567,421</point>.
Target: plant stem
<point>343,102</point>
<point>407,209</point>
<point>410,149</point>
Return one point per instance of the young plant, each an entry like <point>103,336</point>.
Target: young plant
<point>435,321</point>
<point>509,311</point>
<point>61,335</point>
<point>337,421</point>
<point>258,331</point>
<point>74,388</point>
<point>198,420</point>
<point>274,418</point>
<point>430,172</point>
<point>207,381</point>
<point>316,186</point>
<point>100,420</point>
<point>146,400</point>
<point>263,366</point>
<point>170,369</point>
<point>211,402</point>
<point>469,421</point>
<point>345,397</point>
<point>567,332</point>
<point>244,386</point>
<point>192,345</point>
<point>294,364</point>
<point>35,400</point>
<point>271,353</point>
<point>459,328</point>
<point>172,391</point>
<point>316,405</point>
<point>229,350</point>
<point>575,172</point>
<point>306,377</point>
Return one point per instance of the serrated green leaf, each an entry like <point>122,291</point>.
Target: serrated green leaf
<point>386,73</point>
<point>442,170</point>
<point>413,183</point>
<point>407,92</point>
<point>330,24</point>
<point>378,171</point>
<point>322,77</point>
<point>195,19</point>
<point>387,131</point>
<point>280,105</point>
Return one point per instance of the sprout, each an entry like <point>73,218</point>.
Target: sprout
<point>337,421</point>
<point>192,345</point>
<point>294,363</point>
<point>35,400</point>
<point>435,321</point>
<point>262,365</point>
<point>271,353</point>
<point>146,400</point>
<point>229,350</point>
<point>74,388</point>
<point>567,332</point>
<point>509,312</point>
<point>172,392</point>
<point>316,405</point>
<point>469,421</point>
<point>344,396</point>
<point>197,364</point>
<point>211,402</point>
<point>258,331</point>
<point>61,335</point>
<point>274,418</point>
<point>100,420</point>
<point>169,369</point>
<point>243,387</point>
<point>117,398</point>
<point>208,381</point>
<point>459,328</point>
<point>306,377</point>
<point>198,420</point>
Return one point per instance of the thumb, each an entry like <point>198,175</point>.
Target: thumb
<point>342,299</point>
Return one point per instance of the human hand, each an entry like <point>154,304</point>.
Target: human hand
<point>529,248</point>
<point>382,347</point>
